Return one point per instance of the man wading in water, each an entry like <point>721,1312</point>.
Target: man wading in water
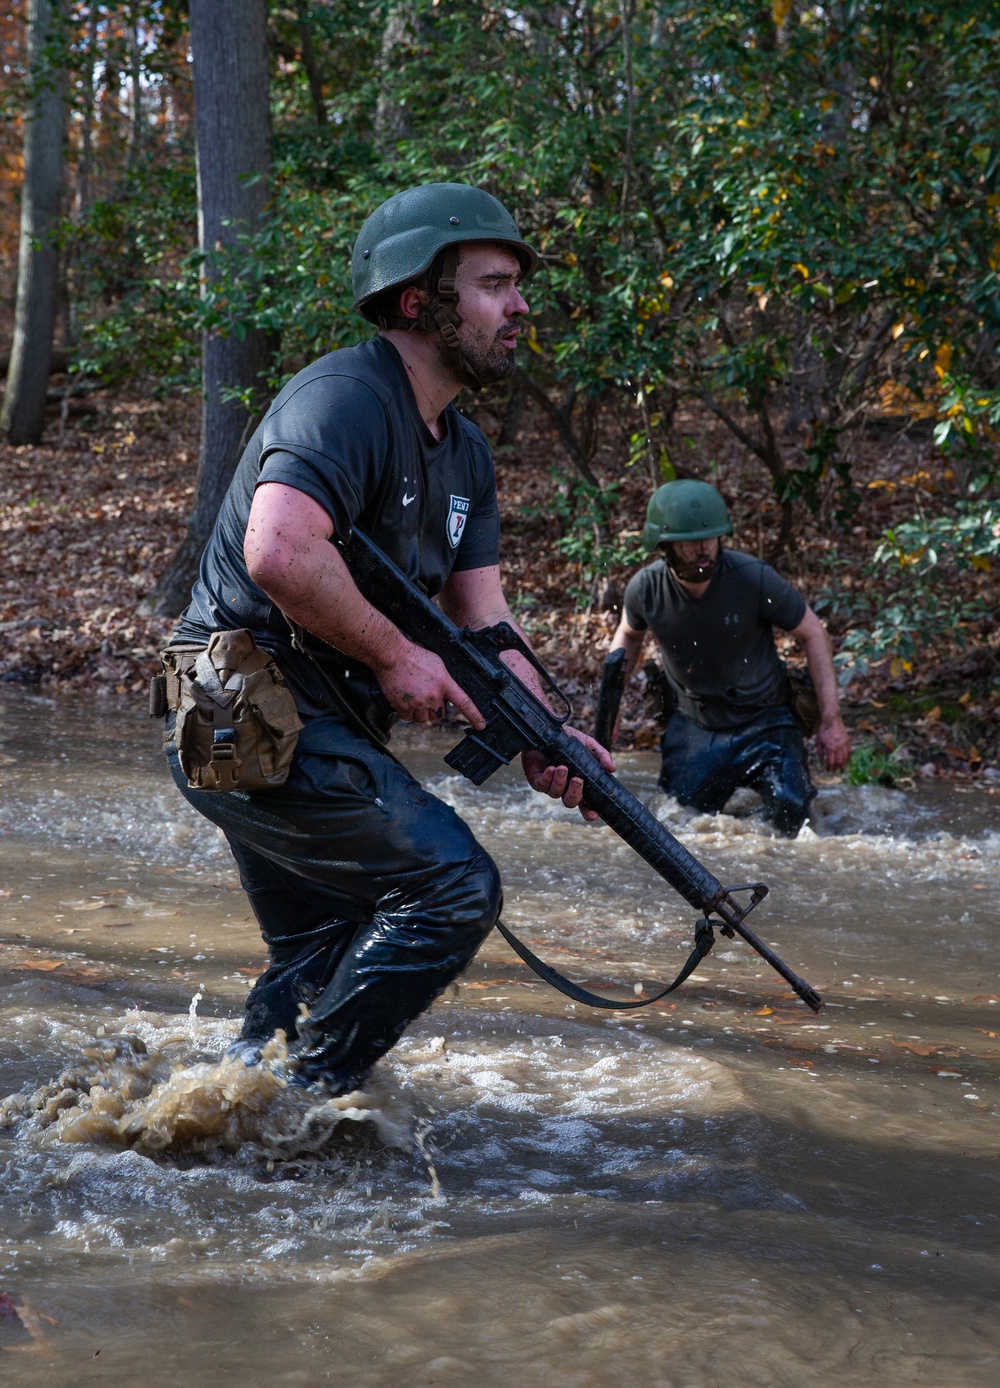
<point>713,614</point>
<point>370,893</point>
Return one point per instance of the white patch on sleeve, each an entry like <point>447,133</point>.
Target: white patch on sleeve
<point>457,516</point>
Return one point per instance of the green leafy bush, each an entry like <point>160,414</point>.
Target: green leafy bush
<point>871,764</point>
<point>930,581</point>
<point>134,278</point>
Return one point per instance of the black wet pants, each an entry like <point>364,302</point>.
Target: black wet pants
<point>371,896</point>
<point>702,767</point>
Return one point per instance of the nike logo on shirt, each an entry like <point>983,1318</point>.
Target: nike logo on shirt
<point>408,499</point>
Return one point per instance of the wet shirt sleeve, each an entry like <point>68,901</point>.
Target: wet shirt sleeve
<point>780,604</point>
<point>636,593</point>
<point>479,547</point>
<point>330,444</point>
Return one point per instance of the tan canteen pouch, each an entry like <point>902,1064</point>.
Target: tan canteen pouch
<point>237,724</point>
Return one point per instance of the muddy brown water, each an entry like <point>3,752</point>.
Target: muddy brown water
<point>721,1190</point>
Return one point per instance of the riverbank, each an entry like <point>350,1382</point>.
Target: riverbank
<point>92,515</point>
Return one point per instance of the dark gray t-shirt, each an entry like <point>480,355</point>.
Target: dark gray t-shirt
<point>346,431</point>
<point>718,650</point>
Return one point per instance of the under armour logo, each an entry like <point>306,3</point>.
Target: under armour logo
<point>408,499</point>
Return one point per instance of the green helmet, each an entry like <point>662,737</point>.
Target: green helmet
<point>685,510</point>
<point>400,239</point>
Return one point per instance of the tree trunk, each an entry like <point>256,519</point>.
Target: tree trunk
<point>85,165</point>
<point>23,415</point>
<point>233,140</point>
<point>136,115</point>
<point>403,27</point>
<point>311,64</point>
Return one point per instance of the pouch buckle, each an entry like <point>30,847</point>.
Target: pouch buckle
<point>225,764</point>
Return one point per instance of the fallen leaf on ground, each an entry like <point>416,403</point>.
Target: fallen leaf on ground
<point>31,1320</point>
<point>922,1049</point>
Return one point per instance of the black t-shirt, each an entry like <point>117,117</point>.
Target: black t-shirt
<point>718,650</point>
<point>346,431</point>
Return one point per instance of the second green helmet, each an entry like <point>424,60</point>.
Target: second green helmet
<point>400,239</point>
<point>684,510</point>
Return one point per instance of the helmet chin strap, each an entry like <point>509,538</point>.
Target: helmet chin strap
<point>440,314</point>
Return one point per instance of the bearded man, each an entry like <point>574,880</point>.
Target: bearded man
<point>371,894</point>
<point>713,613</point>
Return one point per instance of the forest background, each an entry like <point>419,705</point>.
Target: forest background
<point>769,236</point>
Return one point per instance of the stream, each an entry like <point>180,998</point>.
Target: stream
<point>722,1189</point>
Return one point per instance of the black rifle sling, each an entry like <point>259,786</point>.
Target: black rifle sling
<point>704,939</point>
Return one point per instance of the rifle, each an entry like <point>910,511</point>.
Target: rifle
<point>610,697</point>
<point>517,720</point>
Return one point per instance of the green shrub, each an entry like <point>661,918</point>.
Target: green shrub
<point>871,764</point>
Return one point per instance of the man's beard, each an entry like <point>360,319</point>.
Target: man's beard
<point>477,363</point>
<point>693,571</point>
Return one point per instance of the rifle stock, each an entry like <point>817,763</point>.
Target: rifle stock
<point>517,720</point>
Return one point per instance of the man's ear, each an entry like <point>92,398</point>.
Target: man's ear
<point>411,301</point>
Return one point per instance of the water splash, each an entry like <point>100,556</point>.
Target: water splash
<point>193,1014</point>
<point>168,1100</point>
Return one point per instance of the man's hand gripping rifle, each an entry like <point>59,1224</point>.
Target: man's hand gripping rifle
<point>516,720</point>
